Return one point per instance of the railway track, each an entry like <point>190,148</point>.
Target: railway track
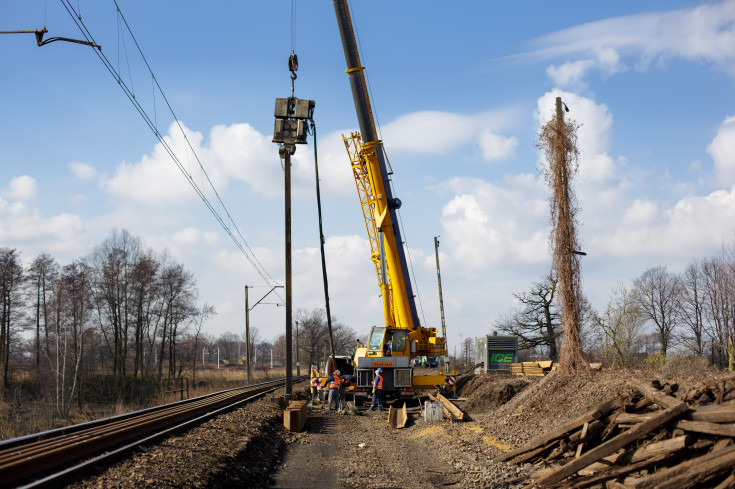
<point>54,455</point>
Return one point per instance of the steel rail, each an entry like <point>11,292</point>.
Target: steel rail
<point>25,457</point>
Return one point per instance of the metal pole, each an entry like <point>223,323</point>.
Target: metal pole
<point>287,172</point>
<point>247,336</point>
<point>441,303</point>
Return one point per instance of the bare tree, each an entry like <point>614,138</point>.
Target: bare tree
<point>113,262</point>
<point>538,321</point>
<point>11,282</point>
<point>468,349</point>
<point>227,342</point>
<point>314,335</point>
<point>178,290</point>
<point>70,323</point>
<point>144,296</point>
<point>558,139</point>
<point>622,323</point>
<point>204,313</point>
<point>693,306</point>
<point>41,275</point>
<point>719,297</point>
<point>658,293</point>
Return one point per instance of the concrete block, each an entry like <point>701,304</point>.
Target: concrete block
<point>433,411</point>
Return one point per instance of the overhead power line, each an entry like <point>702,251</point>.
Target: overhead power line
<point>223,217</point>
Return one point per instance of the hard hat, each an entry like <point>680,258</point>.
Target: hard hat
<point>336,372</point>
<point>380,370</point>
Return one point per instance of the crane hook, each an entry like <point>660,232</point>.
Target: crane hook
<point>293,66</point>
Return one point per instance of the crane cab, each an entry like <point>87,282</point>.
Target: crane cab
<point>389,349</point>
<point>388,342</point>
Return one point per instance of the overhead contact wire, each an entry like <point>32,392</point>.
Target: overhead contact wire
<point>249,255</point>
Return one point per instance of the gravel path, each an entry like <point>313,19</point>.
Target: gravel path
<point>249,447</point>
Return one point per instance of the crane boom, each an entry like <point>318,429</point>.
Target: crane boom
<point>402,338</point>
<point>400,299</point>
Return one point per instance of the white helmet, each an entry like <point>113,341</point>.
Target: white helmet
<point>336,372</point>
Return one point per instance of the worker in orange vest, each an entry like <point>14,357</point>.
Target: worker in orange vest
<point>333,386</point>
<point>377,390</point>
<point>314,383</point>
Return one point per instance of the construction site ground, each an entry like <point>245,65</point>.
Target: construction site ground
<point>249,447</point>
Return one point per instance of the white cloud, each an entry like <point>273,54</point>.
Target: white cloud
<point>692,227</point>
<point>155,178</point>
<point>487,224</point>
<point>192,236</point>
<point>437,132</point>
<point>704,32</point>
<point>495,147</point>
<point>722,151</point>
<point>571,73</point>
<point>24,226</point>
<point>21,188</point>
<point>83,171</point>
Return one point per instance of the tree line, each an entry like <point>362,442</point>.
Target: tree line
<point>112,325</point>
<point>657,314</point>
<point>123,310</point>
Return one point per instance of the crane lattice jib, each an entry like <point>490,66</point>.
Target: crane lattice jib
<point>353,146</point>
<point>364,193</point>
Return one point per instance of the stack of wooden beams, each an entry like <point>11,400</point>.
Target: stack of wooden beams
<point>645,439</point>
<point>533,369</point>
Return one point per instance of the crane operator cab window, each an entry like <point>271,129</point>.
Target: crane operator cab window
<point>400,338</point>
<point>376,339</point>
<point>388,344</point>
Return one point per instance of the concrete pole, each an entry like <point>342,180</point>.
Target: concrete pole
<point>298,360</point>
<point>247,336</point>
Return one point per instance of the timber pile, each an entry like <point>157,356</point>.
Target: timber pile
<point>533,369</point>
<point>644,439</point>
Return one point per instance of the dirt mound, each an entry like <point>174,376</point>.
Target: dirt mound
<point>485,392</point>
<point>689,365</point>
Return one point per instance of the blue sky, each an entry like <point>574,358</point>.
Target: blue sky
<point>460,93</point>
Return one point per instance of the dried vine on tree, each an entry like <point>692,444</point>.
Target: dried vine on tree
<point>558,139</point>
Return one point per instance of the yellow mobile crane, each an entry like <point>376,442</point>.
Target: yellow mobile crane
<point>402,338</point>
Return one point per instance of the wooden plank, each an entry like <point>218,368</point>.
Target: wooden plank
<point>663,400</point>
<point>695,474</point>
<point>455,414</point>
<point>728,483</point>
<point>397,417</point>
<point>616,472</point>
<point>724,413</point>
<point>727,430</point>
<point>663,476</point>
<point>595,413</point>
<point>614,444</point>
<point>633,456</point>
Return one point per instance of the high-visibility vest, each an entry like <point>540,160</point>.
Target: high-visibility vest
<point>379,384</point>
<point>334,384</point>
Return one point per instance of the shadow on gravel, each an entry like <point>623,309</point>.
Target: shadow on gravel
<point>253,466</point>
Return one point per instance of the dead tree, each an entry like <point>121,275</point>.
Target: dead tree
<point>559,141</point>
